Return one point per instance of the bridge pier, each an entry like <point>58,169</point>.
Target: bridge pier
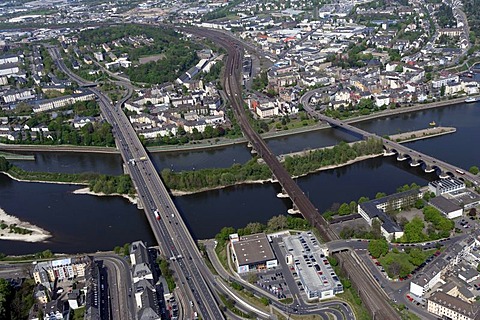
<point>414,163</point>
<point>282,194</point>
<point>401,157</point>
<point>443,175</point>
<point>429,169</point>
<point>388,153</point>
<point>294,210</point>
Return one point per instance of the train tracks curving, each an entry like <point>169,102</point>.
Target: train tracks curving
<point>372,296</point>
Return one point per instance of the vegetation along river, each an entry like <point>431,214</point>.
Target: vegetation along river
<point>78,221</point>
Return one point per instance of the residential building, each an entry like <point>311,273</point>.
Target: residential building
<point>432,273</point>
<point>447,307</point>
<point>50,104</point>
<point>49,271</point>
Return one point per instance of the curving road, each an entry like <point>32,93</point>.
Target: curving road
<point>339,309</point>
<point>375,298</point>
<point>174,239</point>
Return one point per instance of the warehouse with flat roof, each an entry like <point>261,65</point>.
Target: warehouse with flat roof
<point>252,252</point>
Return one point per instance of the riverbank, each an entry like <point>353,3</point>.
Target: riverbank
<point>400,138</point>
<point>35,233</point>
<point>41,181</point>
<point>87,191</point>
<point>13,156</point>
<point>422,134</point>
<point>179,193</point>
<point>224,142</point>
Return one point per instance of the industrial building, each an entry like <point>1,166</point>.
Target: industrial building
<point>309,259</point>
<point>252,252</point>
<point>447,185</point>
<point>446,207</point>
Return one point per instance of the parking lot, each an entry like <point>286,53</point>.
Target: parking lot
<point>274,282</point>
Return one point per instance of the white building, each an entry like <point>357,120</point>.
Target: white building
<point>446,207</point>
<point>445,306</point>
<point>253,252</point>
<point>60,102</point>
<point>447,185</point>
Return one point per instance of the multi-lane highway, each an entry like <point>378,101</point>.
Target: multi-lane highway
<point>174,239</point>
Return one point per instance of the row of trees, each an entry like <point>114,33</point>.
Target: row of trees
<point>213,178</point>
<point>252,170</point>
<point>15,303</point>
<point>341,153</point>
<point>167,273</point>
<point>112,184</point>
<point>179,57</point>
<point>397,264</point>
<point>275,223</point>
<point>182,137</point>
<point>121,184</point>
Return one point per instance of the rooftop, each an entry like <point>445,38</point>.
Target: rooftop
<point>253,249</point>
<point>444,205</point>
<point>311,263</point>
<point>456,304</point>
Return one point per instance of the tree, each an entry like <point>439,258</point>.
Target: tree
<point>224,234</point>
<point>378,248</point>
<point>416,256</point>
<point>474,170</point>
<point>277,223</point>
<point>376,229</point>
<point>254,227</point>
<point>4,164</point>
<point>472,212</point>
<point>363,199</point>
<point>5,296</point>
<point>344,209</point>
<point>419,204</point>
<point>353,206</point>
<point>413,231</point>
<point>380,195</point>
<point>394,269</point>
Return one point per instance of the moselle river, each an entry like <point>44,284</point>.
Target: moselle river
<point>180,160</point>
<point>82,223</point>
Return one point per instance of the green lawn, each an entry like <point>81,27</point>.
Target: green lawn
<point>401,264</point>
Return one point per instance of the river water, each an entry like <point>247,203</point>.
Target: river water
<point>82,223</point>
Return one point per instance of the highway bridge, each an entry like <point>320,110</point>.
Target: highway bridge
<point>429,163</point>
<point>194,279</point>
<point>374,297</point>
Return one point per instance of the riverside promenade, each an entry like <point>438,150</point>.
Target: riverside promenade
<point>223,142</point>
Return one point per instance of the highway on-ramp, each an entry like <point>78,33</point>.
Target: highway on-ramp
<point>174,239</point>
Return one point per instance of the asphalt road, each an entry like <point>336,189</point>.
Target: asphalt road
<point>174,239</point>
<point>119,279</point>
<point>391,145</point>
<point>373,296</point>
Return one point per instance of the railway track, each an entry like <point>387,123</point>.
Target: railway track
<point>373,297</point>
